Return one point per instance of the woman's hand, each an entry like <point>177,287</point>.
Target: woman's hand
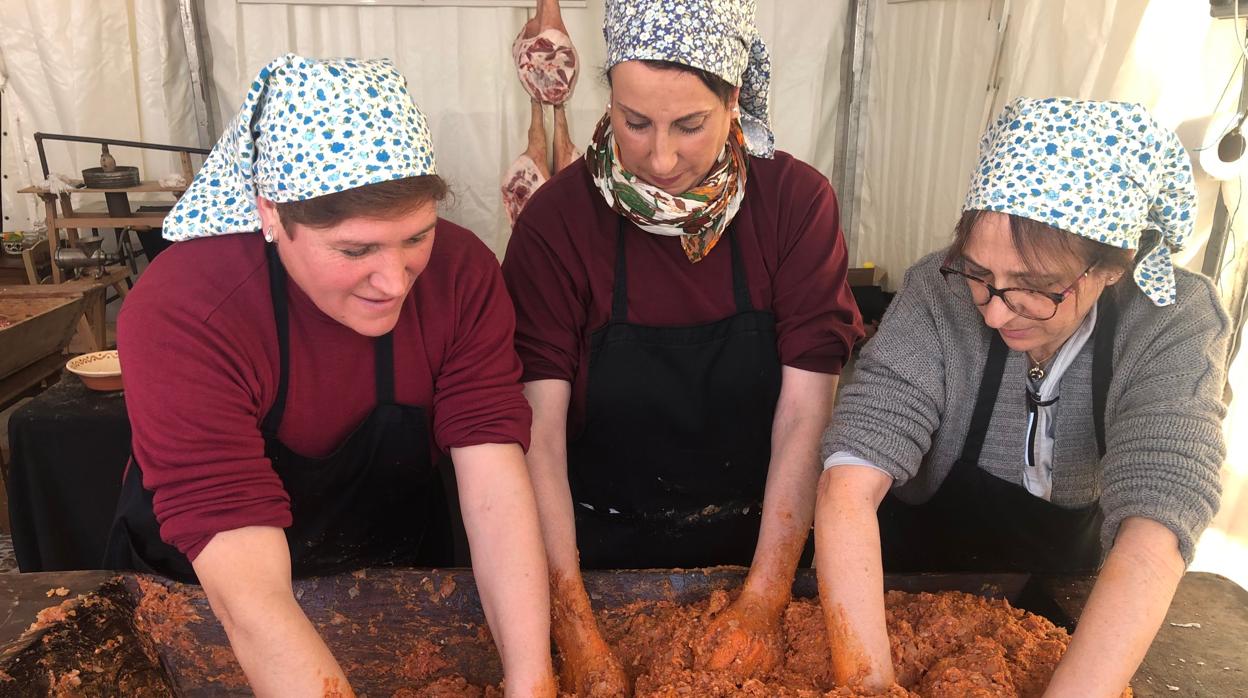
<point>589,668</point>
<point>745,640</point>
<point>500,517</point>
<point>1127,606</point>
<point>539,687</point>
<point>245,573</point>
<point>851,575</point>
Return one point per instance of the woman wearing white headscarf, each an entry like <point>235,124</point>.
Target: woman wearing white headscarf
<point>682,315</point>
<point>295,368</point>
<point>1043,396</point>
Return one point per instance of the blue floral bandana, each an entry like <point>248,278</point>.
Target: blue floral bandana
<point>306,128</point>
<point>1104,170</point>
<point>718,36</point>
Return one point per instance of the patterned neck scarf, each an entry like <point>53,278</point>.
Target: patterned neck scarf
<point>699,216</point>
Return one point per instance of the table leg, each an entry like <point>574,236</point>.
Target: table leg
<point>98,323</point>
<point>67,207</point>
<point>84,337</point>
<point>49,208</point>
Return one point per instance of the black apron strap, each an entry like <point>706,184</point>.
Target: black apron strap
<point>994,369</point>
<point>1103,361</point>
<point>383,348</point>
<point>277,291</point>
<point>740,286</point>
<point>619,295</point>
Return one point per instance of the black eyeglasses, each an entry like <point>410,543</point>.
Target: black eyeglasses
<point>1029,303</point>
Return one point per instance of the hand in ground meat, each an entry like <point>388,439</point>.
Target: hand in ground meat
<point>746,640</point>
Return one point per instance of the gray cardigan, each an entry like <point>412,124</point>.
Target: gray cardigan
<point>907,408</point>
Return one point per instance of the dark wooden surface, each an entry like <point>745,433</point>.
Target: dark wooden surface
<point>1202,647</point>
<point>374,621</point>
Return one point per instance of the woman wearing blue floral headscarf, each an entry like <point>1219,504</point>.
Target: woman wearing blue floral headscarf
<point>296,367</point>
<point>682,316</point>
<point>1043,396</point>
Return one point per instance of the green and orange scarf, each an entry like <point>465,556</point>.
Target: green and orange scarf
<point>699,216</point>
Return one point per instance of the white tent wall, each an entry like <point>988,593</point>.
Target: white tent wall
<point>930,95</point>
<point>458,64</point>
<point>107,68</point>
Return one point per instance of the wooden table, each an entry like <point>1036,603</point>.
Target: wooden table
<point>92,324</point>
<point>372,619</point>
<point>66,219</point>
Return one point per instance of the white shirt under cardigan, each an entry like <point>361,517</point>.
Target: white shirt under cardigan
<point>1038,459</point>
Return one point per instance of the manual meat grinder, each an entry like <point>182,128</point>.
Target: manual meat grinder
<point>115,182</point>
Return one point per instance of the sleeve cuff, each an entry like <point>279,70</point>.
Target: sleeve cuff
<point>847,458</point>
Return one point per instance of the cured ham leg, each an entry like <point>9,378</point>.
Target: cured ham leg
<point>565,152</point>
<point>546,61</point>
<point>529,171</point>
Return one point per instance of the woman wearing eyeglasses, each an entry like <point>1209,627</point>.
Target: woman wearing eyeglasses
<point>1043,396</point>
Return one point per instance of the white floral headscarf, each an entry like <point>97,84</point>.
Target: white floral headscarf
<point>1104,170</point>
<point>718,36</point>
<point>306,128</point>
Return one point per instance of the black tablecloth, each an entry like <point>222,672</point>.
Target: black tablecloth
<point>69,450</point>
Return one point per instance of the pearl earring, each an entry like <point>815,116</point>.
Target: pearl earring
<point>268,234</point>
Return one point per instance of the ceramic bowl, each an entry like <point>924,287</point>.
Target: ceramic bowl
<point>99,370</point>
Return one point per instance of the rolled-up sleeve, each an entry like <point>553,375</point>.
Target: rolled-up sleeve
<point>193,399</point>
<point>1164,439</point>
<point>886,415</point>
<point>817,319</point>
<point>478,397</point>
<point>550,311</point>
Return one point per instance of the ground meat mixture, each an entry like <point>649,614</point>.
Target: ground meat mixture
<point>943,645</point>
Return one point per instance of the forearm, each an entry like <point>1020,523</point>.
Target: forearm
<point>802,414</point>
<point>281,652</point>
<point>548,468</point>
<point>1127,606</point>
<point>508,561</point>
<point>851,575</point>
<point>246,576</point>
<point>572,615</point>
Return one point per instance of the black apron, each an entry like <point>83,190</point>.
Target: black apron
<point>670,467</point>
<point>977,522</point>
<point>367,504</point>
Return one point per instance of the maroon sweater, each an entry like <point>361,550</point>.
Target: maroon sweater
<point>200,362</point>
<point>560,268</point>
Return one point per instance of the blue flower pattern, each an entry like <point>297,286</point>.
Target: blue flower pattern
<point>1107,171</point>
<point>306,128</point>
<point>718,36</point>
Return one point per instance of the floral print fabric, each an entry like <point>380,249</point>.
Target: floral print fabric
<point>718,36</point>
<point>1107,171</point>
<point>306,128</point>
